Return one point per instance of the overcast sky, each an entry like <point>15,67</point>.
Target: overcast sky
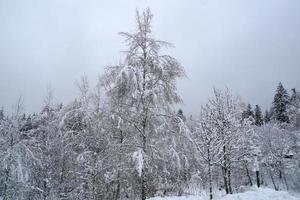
<point>248,46</point>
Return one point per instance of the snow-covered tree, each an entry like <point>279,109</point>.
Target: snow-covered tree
<point>146,83</point>
<point>294,109</point>
<point>225,113</point>
<point>208,143</point>
<point>275,144</point>
<point>267,117</point>
<point>258,116</point>
<point>248,113</point>
<point>17,158</point>
<point>280,104</point>
<point>173,156</point>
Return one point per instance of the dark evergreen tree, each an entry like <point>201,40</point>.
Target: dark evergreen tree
<point>294,94</point>
<point>295,98</point>
<point>267,117</point>
<point>1,114</point>
<point>180,115</point>
<point>258,116</point>
<point>248,112</point>
<point>280,104</point>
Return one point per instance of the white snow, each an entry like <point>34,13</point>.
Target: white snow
<point>255,194</point>
<point>261,194</point>
<point>139,161</point>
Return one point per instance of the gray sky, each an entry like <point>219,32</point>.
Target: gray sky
<point>248,46</point>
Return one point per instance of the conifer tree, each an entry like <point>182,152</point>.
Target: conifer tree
<point>181,115</point>
<point>258,116</point>
<point>1,114</point>
<point>267,117</point>
<point>280,104</point>
<point>248,112</point>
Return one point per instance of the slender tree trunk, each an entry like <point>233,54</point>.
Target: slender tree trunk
<point>118,190</point>
<point>210,182</point>
<point>143,175</point>
<point>229,181</point>
<point>280,174</point>
<point>143,184</point>
<point>273,181</point>
<point>144,124</point>
<point>248,175</point>
<point>284,178</point>
<point>280,169</point>
<point>209,174</point>
<point>257,178</point>
<point>224,171</point>
<point>285,181</point>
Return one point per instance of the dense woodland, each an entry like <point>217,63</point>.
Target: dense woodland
<point>124,139</point>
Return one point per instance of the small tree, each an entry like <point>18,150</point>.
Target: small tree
<point>258,116</point>
<point>294,109</point>
<point>275,143</point>
<point>225,113</point>
<point>280,104</point>
<point>248,113</point>
<point>267,117</point>
<point>208,143</point>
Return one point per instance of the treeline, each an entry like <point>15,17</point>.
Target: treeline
<point>242,147</point>
<point>123,139</point>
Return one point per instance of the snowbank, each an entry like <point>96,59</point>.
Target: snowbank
<point>257,194</point>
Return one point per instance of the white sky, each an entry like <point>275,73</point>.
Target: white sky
<point>248,46</point>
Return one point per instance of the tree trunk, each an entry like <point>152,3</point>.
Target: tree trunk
<point>118,190</point>
<point>209,173</point>
<point>229,182</point>
<point>224,171</point>
<point>257,179</point>
<point>284,178</point>
<point>248,175</point>
<point>280,174</point>
<point>273,181</point>
<point>143,185</point>
<point>285,181</point>
<point>143,175</point>
<point>210,182</point>
<point>280,169</point>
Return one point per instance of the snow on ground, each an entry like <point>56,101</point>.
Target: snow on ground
<point>256,194</point>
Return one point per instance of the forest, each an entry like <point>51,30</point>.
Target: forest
<point>127,139</point>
